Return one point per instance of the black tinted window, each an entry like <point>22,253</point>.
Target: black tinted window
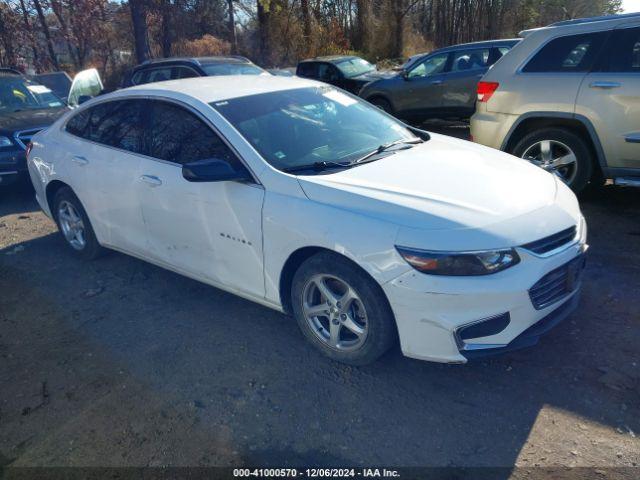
<point>625,51</point>
<point>116,124</point>
<point>183,72</point>
<point>177,135</point>
<point>308,69</point>
<point>78,124</point>
<point>574,53</point>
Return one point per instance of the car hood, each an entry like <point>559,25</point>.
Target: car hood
<point>375,75</point>
<point>447,184</point>
<point>26,119</point>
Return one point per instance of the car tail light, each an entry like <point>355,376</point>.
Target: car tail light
<point>29,147</point>
<point>486,90</point>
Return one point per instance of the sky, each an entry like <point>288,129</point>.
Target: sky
<point>631,5</point>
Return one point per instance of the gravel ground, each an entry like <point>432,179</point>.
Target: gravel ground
<point>120,363</point>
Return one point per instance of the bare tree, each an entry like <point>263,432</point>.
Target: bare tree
<point>47,34</point>
<point>140,30</point>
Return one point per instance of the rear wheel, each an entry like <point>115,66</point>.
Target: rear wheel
<point>74,225</point>
<point>341,310</point>
<point>560,152</point>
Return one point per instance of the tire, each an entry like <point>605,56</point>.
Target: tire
<point>382,103</point>
<point>368,312</point>
<point>577,175</point>
<point>68,209</point>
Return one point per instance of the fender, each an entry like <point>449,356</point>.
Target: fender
<point>568,116</point>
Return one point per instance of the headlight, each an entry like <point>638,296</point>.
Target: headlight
<point>460,264</point>
<point>5,142</point>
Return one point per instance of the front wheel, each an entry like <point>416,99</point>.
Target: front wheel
<point>341,310</point>
<point>560,152</point>
<point>382,103</point>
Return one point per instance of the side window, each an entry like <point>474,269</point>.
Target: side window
<point>179,136</point>
<point>308,70</point>
<point>138,77</point>
<point>116,124</point>
<point>573,53</point>
<point>470,59</point>
<point>431,66</point>
<point>328,72</point>
<point>183,72</point>
<point>625,51</point>
<point>159,75</point>
<point>77,125</point>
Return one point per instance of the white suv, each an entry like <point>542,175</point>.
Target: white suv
<point>567,98</point>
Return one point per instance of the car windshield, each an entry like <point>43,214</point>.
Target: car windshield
<point>307,126</point>
<point>353,67</point>
<point>18,93</point>
<point>214,69</point>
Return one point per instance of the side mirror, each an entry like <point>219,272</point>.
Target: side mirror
<point>213,170</point>
<point>404,74</point>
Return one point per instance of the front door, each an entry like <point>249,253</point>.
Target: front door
<point>422,92</point>
<point>610,98</point>
<point>210,230</point>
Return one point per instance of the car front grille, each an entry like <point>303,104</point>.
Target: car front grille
<point>552,242</point>
<point>557,284</point>
<point>24,137</point>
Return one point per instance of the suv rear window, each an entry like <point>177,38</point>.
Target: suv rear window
<point>573,53</point>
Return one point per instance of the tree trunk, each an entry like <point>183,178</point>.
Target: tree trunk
<point>140,33</point>
<point>166,28</point>
<point>363,22</point>
<point>47,34</point>
<point>232,28</point>
<point>306,19</point>
<point>28,28</point>
<point>58,12</point>
<point>263,32</point>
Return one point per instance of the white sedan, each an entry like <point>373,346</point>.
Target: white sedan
<point>305,199</point>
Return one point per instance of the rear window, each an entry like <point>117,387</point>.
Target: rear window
<point>573,53</point>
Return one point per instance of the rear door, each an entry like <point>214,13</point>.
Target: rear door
<point>610,98</point>
<point>459,90</point>
<point>210,230</point>
<point>421,93</point>
<point>104,155</point>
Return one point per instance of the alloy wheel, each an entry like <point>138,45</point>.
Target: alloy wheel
<point>335,313</point>
<point>71,225</point>
<point>554,157</point>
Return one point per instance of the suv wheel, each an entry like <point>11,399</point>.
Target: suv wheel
<point>560,152</point>
<point>341,310</point>
<point>74,225</point>
<point>383,104</point>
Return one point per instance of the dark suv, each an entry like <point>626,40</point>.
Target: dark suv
<point>176,68</point>
<point>439,84</point>
<point>26,107</point>
<point>347,72</point>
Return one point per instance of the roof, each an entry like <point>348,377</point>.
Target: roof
<point>197,60</point>
<point>588,23</point>
<point>480,44</point>
<point>330,58</point>
<point>214,89</point>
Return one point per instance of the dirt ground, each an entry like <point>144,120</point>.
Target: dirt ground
<point>120,363</point>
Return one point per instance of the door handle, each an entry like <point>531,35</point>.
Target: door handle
<point>151,180</point>
<point>79,160</point>
<point>605,85</point>
<point>632,138</point>
<point>437,82</point>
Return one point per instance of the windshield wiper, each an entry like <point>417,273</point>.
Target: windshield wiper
<point>318,166</point>
<point>386,146</point>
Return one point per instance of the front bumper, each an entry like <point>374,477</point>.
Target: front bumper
<point>430,310</point>
<point>13,165</point>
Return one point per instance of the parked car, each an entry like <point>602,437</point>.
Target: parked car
<point>162,69</point>
<point>568,100</point>
<point>309,200</point>
<point>26,107</point>
<point>441,84</point>
<point>58,82</point>
<point>347,72</point>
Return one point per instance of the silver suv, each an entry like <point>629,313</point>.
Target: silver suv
<point>567,98</point>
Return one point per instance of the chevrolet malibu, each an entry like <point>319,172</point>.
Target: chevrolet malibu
<point>305,199</point>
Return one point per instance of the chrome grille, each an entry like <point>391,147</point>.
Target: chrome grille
<point>24,137</point>
<point>557,284</point>
<point>552,242</point>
